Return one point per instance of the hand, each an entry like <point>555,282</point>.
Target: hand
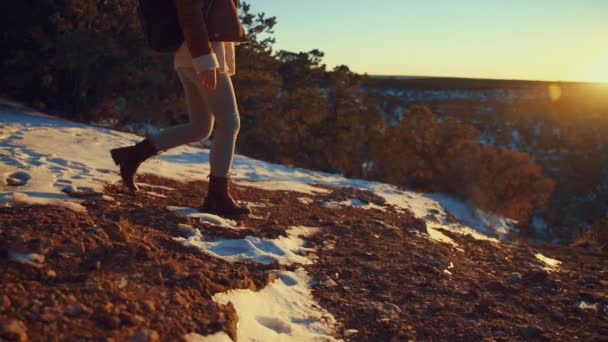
<point>208,78</point>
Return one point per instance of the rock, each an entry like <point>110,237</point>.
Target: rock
<point>391,308</point>
<point>109,320</point>
<point>148,306</point>
<point>115,232</point>
<point>330,283</point>
<point>535,277</point>
<point>145,335</point>
<point>350,332</point>
<point>13,330</point>
<point>72,310</point>
<point>48,315</point>
<point>179,299</point>
<point>550,284</point>
<point>271,277</point>
<point>324,277</point>
<point>500,333</point>
<point>6,303</point>
<point>51,274</point>
<point>589,280</point>
<point>32,259</point>
<point>514,278</point>
<point>131,319</point>
<point>71,298</point>
<point>71,249</point>
<point>531,332</point>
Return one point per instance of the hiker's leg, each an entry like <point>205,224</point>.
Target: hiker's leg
<point>201,120</point>
<point>222,103</point>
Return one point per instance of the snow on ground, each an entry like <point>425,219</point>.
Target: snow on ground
<point>284,309</point>
<point>45,160</point>
<point>472,217</point>
<point>205,217</point>
<point>32,259</point>
<point>549,265</point>
<point>285,250</point>
<point>56,153</point>
<point>353,202</point>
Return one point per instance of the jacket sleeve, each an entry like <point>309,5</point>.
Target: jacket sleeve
<point>193,26</point>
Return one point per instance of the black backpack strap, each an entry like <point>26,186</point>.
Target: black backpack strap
<point>207,9</point>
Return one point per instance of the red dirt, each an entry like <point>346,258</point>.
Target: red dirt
<point>117,271</point>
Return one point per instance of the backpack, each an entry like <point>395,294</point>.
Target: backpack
<point>160,24</point>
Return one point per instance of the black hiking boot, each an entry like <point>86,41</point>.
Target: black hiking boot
<point>129,158</point>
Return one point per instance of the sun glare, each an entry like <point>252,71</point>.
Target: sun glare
<point>598,71</point>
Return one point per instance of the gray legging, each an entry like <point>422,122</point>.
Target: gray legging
<point>204,106</point>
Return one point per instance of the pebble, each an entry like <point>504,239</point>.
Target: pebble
<point>148,306</point>
<point>514,278</point>
<point>330,283</point>
<point>14,330</point>
<point>391,308</point>
<point>48,315</point>
<point>535,277</point>
<point>115,232</point>
<point>72,310</point>
<point>131,319</point>
<point>590,280</point>
<point>145,335</point>
<point>6,302</point>
<point>350,332</point>
<point>531,332</point>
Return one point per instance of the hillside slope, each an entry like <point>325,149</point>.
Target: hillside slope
<point>322,257</point>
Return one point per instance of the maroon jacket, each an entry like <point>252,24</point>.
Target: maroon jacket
<point>222,24</point>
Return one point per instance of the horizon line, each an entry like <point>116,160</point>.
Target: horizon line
<point>604,83</point>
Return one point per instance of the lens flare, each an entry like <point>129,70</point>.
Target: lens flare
<point>555,92</point>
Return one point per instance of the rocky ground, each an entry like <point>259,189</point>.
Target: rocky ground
<point>116,273</point>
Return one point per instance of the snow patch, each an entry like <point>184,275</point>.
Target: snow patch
<point>32,259</point>
<point>217,337</point>
<point>160,187</point>
<point>284,250</point>
<point>436,235</point>
<point>285,186</point>
<point>283,310</point>
<point>587,305</point>
<point>19,198</point>
<point>306,200</point>
<point>155,194</point>
<point>470,216</point>
<point>551,265</point>
<point>205,217</point>
<point>353,202</point>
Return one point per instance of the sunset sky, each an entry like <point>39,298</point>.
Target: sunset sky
<point>514,39</point>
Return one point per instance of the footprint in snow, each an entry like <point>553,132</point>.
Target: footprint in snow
<point>18,178</point>
<point>288,280</point>
<point>275,324</point>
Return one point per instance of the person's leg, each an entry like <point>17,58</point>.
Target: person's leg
<point>130,157</point>
<point>222,103</point>
<point>201,120</point>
